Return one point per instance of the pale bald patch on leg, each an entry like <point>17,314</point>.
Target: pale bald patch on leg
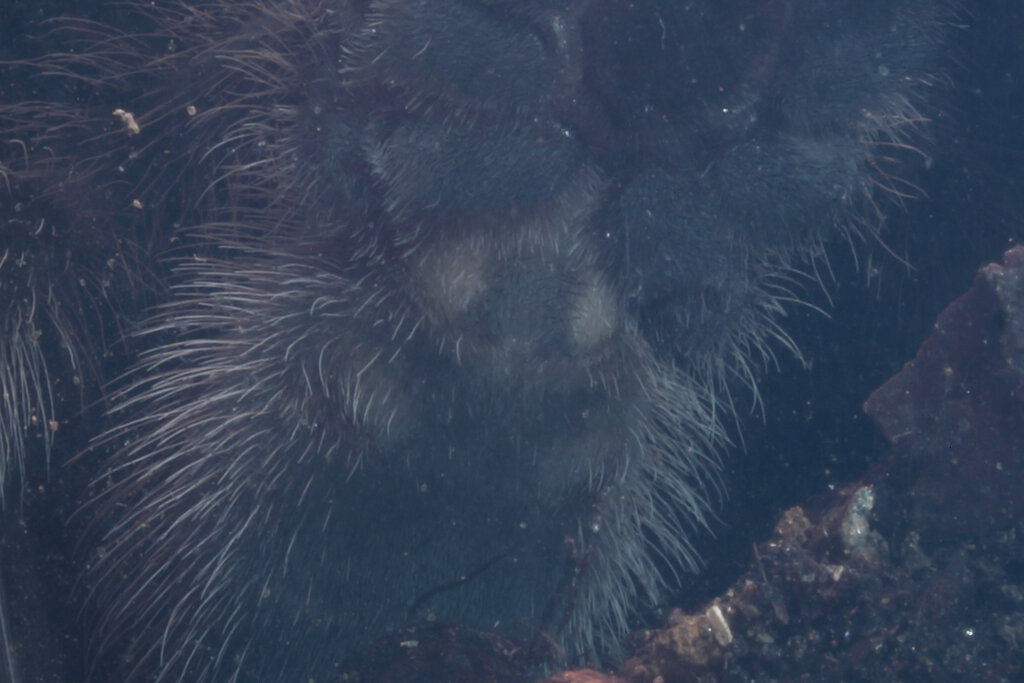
<point>596,314</point>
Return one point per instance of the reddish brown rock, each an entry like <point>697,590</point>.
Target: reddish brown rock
<point>955,414</point>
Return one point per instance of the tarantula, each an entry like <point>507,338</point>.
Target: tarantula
<point>459,295</point>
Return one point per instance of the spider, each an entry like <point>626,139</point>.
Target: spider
<point>454,299</point>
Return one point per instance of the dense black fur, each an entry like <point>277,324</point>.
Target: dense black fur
<point>463,293</point>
